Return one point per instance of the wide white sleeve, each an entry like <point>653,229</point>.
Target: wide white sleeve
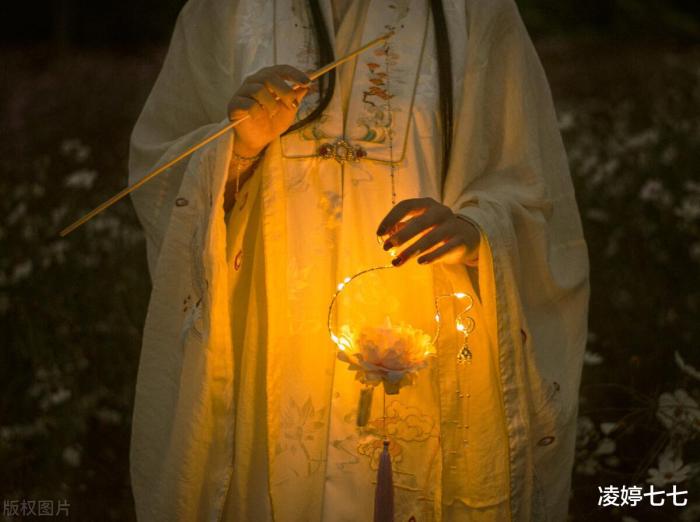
<point>187,103</point>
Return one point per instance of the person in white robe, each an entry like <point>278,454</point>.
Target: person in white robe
<point>242,409</point>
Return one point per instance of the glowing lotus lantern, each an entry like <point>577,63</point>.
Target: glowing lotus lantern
<point>391,355</point>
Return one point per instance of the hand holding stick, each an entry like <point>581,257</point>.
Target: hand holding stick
<point>111,201</point>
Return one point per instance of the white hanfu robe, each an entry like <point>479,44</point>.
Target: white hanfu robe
<point>254,418</point>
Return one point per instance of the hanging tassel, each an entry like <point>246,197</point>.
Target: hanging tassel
<point>384,493</point>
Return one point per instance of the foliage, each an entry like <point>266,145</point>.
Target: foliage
<point>71,309</point>
<point>615,19</point>
<point>634,163</point>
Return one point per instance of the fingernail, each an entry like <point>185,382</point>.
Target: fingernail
<point>396,261</point>
<point>380,231</point>
<point>422,261</point>
<point>387,245</point>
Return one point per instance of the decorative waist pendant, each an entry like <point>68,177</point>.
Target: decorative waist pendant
<point>364,406</point>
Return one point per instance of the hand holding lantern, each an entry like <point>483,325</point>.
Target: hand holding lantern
<point>439,233</point>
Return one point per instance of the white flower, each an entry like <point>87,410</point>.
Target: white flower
<point>654,191</point>
<point>22,270</point>
<point>692,186</point>
<point>60,396</point>
<point>670,470</point>
<point>566,121</point>
<point>689,209</point>
<point>585,431</point>
<point>592,358</point>
<point>685,367</point>
<point>106,225</point>
<point>642,139</point>
<point>83,178</point>
<point>388,354</point>
<point>75,148</point>
<point>71,455</point>
<point>588,467</point>
<point>679,412</point>
<point>607,427</point>
<point>55,398</point>
<point>605,447</point>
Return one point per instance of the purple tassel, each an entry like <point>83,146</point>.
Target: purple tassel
<point>384,494</point>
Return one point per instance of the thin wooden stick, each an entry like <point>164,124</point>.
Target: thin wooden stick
<point>111,201</point>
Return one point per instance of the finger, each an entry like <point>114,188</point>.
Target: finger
<point>242,106</point>
<point>440,252</point>
<point>267,100</point>
<point>259,93</point>
<point>281,91</point>
<point>290,98</point>
<point>412,227</point>
<point>437,235</point>
<point>286,72</point>
<point>292,73</point>
<point>400,211</point>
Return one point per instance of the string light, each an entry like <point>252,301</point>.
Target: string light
<point>463,323</point>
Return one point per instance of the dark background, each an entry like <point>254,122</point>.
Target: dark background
<point>131,22</point>
<point>625,77</point>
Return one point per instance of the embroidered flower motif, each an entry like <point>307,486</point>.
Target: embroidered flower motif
<point>331,205</point>
<point>391,355</point>
<point>301,425</point>
<point>406,424</point>
<point>376,120</point>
